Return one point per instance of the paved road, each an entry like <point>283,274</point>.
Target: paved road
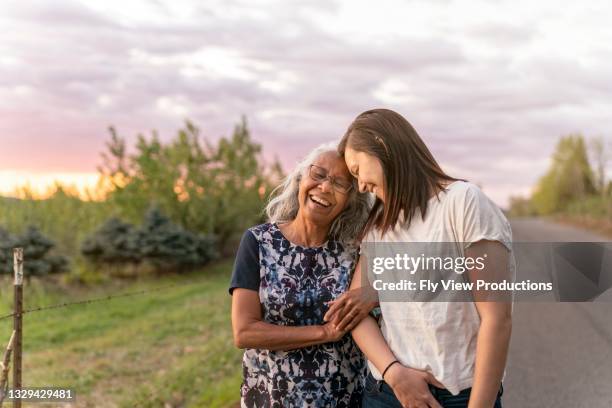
<point>560,353</point>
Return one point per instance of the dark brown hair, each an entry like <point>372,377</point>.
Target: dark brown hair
<point>411,174</point>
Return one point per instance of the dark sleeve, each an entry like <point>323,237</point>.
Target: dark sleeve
<point>246,266</point>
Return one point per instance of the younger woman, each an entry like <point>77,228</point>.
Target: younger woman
<point>427,354</point>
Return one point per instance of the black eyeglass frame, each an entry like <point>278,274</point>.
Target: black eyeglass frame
<point>333,180</point>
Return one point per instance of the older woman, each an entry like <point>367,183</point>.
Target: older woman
<point>285,273</point>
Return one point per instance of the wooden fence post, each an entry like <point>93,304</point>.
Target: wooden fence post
<point>17,320</point>
<point>4,367</point>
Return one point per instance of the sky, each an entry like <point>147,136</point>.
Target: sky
<point>489,85</point>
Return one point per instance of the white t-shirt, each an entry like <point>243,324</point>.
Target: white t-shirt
<point>440,337</point>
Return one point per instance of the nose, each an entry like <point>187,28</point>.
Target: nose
<point>325,186</point>
<point>362,186</point>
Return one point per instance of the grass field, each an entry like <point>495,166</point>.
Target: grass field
<point>169,348</point>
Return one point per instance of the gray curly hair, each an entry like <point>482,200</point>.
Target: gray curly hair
<point>283,205</point>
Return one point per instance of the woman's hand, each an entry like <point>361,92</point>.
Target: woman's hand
<point>251,331</point>
<point>350,308</point>
<point>410,386</point>
<point>331,333</point>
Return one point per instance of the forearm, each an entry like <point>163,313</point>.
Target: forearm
<point>371,297</point>
<point>263,335</point>
<point>370,340</point>
<point>491,355</point>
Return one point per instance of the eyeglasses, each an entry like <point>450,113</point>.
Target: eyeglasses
<point>319,174</point>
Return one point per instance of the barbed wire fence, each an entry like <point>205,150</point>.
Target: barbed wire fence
<point>95,300</point>
<point>15,342</point>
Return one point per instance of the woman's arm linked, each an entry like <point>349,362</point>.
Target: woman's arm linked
<point>250,331</point>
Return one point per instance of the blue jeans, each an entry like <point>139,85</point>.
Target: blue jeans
<point>378,394</point>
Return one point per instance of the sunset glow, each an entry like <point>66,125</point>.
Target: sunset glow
<point>15,183</point>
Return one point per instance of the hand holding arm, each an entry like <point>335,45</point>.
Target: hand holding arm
<point>250,331</point>
<point>408,384</point>
<point>352,306</point>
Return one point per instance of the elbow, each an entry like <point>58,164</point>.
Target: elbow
<point>240,339</point>
<point>247,333</point>
<point>244,336</point>
<point>238,342</point>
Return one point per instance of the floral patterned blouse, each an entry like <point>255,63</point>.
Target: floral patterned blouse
<point>294,282</point>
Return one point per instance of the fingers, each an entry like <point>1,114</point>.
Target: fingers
<point>349,311</point>
<point>432,403</point>
<point>345,314</point>
<point>353,323</point>
<point>336,305</point>
<point>428,402</point>
<point>336,317</point>
<point>432,380</point>
<point>352,319</point>
<point>348,318</point>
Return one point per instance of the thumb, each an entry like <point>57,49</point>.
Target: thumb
<point>432,380</point>
<point>434,404</point>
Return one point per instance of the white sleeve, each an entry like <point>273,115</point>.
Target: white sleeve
<point>481,219</point>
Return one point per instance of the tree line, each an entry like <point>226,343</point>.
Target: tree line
<point>575,181</point>
<point>168,205</point>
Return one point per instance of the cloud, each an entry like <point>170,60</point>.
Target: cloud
<point>490,87</point>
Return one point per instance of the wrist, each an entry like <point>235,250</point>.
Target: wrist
<point>391,375</point>
<point>321,333</point>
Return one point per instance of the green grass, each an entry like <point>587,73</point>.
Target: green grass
<point>165,348</point>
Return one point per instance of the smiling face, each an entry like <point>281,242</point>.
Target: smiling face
<point>367,170</point>
<point>319,201</point>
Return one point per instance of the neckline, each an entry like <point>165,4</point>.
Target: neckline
<point>280,232</point>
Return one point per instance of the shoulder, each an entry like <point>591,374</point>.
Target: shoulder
<point>468,200</point>
<point>466,193</point>
<point>462,188</point>
<point>479,210</point>
<point>259,232</point>
<point>255,236</point>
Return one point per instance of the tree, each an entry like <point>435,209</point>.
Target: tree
<point>158,244</point>
<point>38,257</point>
<point>569,177</point>
<point>521,206</point>
<point>114,242</point>
<point>208,188</point>
<point>166,245</point>
<point>7,243</point>
<point>600,156</point>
